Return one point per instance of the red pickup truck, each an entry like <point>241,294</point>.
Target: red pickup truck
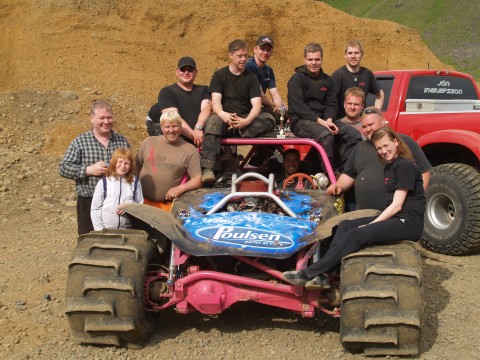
<point>441,111</point>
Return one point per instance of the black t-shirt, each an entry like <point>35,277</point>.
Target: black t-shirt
<point>404,174</point>
<point>154,113</point>
<point>344,79</point>
<point>364,166</point>
<point>188,103</point>
<point>237,90</point>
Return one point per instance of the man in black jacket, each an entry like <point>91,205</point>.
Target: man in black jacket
<point>312,108</point>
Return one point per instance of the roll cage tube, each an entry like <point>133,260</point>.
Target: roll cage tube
<point>288,141</point>
<point>268,194</point>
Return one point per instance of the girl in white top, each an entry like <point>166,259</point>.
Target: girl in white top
<point>118,187</point>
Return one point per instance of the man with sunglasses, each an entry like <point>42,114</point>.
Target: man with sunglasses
<point>352,74</point>
<point>364,170</point>
<point>191,101</point>
<point>237,108</point>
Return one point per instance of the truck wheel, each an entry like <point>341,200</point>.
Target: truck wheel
<point>381,300</point>
<point>452,217</point>
<point>105,288</point>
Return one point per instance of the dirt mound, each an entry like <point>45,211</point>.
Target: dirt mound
<point>127,50</point>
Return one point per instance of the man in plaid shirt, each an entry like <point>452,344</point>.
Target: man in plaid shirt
<point>87,158</point>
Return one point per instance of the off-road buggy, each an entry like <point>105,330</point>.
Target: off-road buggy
<point>219,246</point>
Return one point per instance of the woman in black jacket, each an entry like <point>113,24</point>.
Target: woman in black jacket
<point>401,220</point>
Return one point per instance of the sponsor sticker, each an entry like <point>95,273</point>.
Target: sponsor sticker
<point>244,237</point>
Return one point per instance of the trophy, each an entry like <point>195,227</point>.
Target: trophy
<point>282,110</point>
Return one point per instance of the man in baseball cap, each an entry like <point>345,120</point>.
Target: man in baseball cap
<point>186,61</point>
<point>258,65</point>
<point>263,40</point>
<point>191,101</point>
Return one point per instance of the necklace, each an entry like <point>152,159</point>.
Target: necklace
<point>354,75</point>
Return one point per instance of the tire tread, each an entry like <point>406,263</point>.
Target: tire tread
<point>466,180</point>
<point>105,288</point>
<point>381,300</point>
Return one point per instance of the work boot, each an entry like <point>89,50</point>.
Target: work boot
<point>208,176</point>
<point>297,277</point>
<point>318,282</point>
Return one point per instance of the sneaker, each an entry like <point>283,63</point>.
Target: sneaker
<point>208,176</point>
<point>296,277</point>
<point>318,282</point>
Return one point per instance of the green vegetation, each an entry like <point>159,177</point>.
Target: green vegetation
<point>450,28</point>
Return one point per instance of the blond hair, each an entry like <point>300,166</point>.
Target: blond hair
<point>100,104</point>
<point>355,91</point>
<point>170,116</point>
<point>355,44</point>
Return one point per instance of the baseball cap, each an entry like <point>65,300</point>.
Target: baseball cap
<point>264,39</point>
<point>186,61</point>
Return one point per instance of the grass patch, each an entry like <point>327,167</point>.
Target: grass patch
<point>451,29</point>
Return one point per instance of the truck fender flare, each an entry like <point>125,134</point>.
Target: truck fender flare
<point>468,139</point>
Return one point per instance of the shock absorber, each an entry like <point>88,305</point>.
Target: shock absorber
<point>172,268</point>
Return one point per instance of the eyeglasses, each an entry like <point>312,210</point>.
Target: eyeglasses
<point>187,68</point>
<point>368,111</point>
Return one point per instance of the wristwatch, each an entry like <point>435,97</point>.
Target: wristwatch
<point>199,127</point>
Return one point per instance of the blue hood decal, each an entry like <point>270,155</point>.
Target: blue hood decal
<point>243,236</point>
<point>250,231</point>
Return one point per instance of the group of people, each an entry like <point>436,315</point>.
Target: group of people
<point>188,117</point>
<point>107,174</point>
<point>236,102</point>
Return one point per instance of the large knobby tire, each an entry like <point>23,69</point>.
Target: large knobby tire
<point>452,213</point>
<point>381,300</point>
<point>105,288</point>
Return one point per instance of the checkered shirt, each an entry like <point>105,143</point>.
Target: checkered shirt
<point>86,150</point>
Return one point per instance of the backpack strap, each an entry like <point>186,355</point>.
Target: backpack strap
<point>104,180</point>
<point>135,183</point>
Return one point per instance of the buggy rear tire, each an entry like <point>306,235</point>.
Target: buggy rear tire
<point>451,213</point>
<point>105,288</point>
<point>381,300</point>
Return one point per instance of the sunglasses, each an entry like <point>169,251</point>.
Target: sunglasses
<point>372,111</point>
<point>187,68</point>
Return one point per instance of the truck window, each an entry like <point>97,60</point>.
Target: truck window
<point>441,88</point>
<point>386,83</point>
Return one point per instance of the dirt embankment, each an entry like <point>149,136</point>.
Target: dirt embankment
<point>127,50</point>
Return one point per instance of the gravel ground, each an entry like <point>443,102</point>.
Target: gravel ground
<point>38,238</point>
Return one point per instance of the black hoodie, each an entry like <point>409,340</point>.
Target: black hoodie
<point>311,97</point>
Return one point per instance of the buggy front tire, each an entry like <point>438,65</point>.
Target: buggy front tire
<point>105,288</point>
<point>381,300</point>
